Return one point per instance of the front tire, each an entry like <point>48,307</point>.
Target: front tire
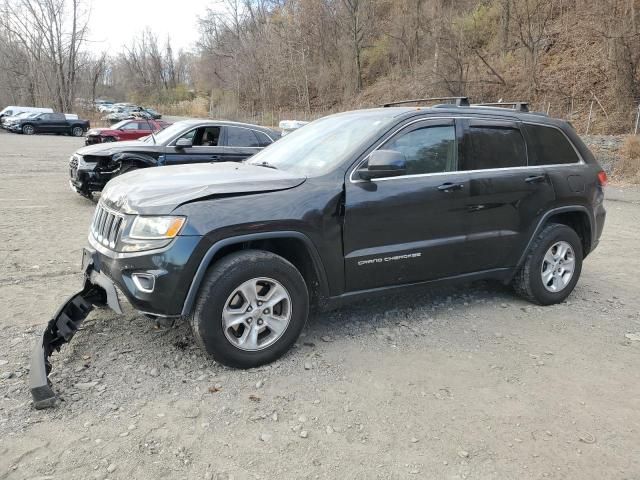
<point>552,267</point>
<point>28,130</point>
<point>250,310</point>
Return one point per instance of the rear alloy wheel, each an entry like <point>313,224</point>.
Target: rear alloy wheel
<point>28,130</point>
<point>77,131</point>
<point>558,266</point>
<point>251,308</point>
<point>552,267</point>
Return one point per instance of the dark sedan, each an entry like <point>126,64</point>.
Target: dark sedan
<point>189,141</point>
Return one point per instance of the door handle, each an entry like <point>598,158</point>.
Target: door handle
<point>536,179</point>
<point>449,187</point>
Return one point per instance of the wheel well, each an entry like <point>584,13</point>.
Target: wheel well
<point>292,249</point>
<point>579,222</point>
<point>134,162</point>
<point>138,160</point>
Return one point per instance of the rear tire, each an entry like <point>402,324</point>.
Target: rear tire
<point>77,131</point>
<point>552,267</point>
<point>246,332</point>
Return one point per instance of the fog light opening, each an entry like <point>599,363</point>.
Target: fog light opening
<point>145,282</point>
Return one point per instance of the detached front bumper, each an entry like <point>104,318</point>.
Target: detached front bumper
<point>98,290</point>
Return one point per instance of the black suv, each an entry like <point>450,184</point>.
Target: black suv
<point>188,141</point>
<point>351,205</point>
<point>50,123</point>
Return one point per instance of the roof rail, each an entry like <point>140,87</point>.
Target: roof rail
<point>458,101</point>
<point>519,106</point>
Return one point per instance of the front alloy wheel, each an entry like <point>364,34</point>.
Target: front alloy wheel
<point>251,308</point>
<point>28,130</point>
<point>256,314</point>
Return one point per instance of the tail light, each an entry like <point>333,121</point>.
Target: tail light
<point>602,178</point>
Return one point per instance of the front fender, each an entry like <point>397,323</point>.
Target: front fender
<point>216,247</point>
<point>139,158</point>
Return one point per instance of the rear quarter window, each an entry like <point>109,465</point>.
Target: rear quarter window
<point>263,139</point>
<point>549,146</point>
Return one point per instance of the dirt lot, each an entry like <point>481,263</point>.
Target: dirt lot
<point>465,383</point>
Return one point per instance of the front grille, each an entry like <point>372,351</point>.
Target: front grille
<point>106,226</point>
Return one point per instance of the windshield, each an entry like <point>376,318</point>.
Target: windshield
<point>163,136</point>
<point>319,147</point>
<point>118,125</point>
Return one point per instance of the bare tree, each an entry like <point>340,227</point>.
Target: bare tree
<point>532,18</point>
<point>50,34</point>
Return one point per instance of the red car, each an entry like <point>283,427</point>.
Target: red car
<point>124,130</point>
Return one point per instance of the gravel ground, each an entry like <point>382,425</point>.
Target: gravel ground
<point>605,148</point>
<point>470,382</point>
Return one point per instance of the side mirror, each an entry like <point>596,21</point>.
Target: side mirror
<point>384,163</point>
<point>184,143</point>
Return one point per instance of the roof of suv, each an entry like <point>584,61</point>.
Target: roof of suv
<point>203,121</point>
<point>479,111</point>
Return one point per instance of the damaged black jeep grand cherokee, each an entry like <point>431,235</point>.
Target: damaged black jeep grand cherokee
<point>352,204</point>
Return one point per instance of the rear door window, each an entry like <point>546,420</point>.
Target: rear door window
<point>549,146</point>
<point>494,146</point>
<point>57,117</point>
<point>241,137</point>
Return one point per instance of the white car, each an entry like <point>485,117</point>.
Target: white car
<point>288,126</point>
<point>7,121</point>
<point>12,110</point>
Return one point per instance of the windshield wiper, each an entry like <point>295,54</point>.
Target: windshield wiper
<point>265,164</point>
<point>153,135</point>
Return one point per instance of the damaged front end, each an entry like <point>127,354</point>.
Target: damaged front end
<point>98,291</point>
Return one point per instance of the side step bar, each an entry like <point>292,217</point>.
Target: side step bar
<point>60,330</point>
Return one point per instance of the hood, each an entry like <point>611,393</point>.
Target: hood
<point>108,149</point>
<point>153,191</point>
<point>100,131</point>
